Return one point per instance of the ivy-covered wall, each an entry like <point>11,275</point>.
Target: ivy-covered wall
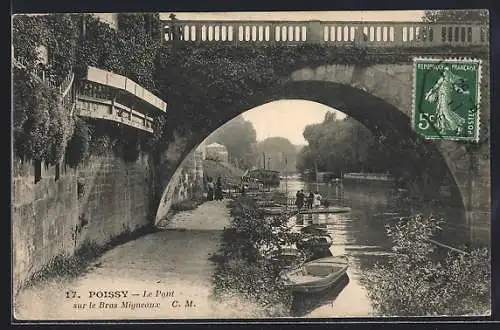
<point>77,182</point>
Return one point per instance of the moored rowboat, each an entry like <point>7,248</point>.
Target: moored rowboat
<point>316,275</point>
<point>315,241</point>
<point>315,229</point>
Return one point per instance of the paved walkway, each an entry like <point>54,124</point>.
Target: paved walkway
<point>172,262</point>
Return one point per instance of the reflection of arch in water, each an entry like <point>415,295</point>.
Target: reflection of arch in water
<point>304,303</point>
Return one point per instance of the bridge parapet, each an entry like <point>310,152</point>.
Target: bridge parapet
<point>363,33</point>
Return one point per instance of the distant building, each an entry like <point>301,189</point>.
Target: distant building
<point>218,152</point>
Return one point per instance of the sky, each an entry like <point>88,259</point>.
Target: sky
<point>394,15</point>
<point>286,118</point>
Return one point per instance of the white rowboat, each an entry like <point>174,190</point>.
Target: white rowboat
<point>317,275</point>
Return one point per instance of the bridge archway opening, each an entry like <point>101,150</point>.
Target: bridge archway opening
<point>383,119</point>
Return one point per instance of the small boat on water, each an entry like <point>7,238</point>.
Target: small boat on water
<point>315,241</point>
<point>317,275</point>
<point>315,229</point>
<point>267,203</point>
<point>326,209</point>
<point>287,257</point>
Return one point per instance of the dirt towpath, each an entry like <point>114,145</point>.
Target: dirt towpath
<point>163,275</point>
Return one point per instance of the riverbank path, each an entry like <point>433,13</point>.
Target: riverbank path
<point>164,275</point>
<point>212,215</point>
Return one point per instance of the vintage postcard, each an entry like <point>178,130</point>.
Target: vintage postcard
<point>255,165</point>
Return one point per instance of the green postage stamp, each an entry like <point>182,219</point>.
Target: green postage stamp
<point>446,96</point>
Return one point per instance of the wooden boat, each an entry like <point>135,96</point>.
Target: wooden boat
<point>292,209</point>
<point>317,275</point>
<point>315,241</point>
<point>326,209</point>
<point>287,257</point>
<point>267,203</point>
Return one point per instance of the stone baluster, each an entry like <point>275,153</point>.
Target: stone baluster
<point>198,31</point>
<point>476,35</point>
<point>398,35</point>
<point>272,32</point>
<point>315,32</point>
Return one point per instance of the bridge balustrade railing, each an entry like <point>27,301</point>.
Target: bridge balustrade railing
<point>376,34</point>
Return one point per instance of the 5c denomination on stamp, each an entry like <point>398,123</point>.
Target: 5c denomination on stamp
<point>446,96</point>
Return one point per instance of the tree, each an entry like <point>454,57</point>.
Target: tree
<point>275,150</point>
<point>239,137</point>
<point>341,146</point>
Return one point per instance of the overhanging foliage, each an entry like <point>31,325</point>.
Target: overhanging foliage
<point>42,128</point>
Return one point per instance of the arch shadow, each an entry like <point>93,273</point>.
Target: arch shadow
<point>382,118</point>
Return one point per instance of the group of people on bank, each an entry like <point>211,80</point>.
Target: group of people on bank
<point>214,190</point>
<point>312,200</point>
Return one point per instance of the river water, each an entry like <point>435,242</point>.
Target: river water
<point>359,235</point>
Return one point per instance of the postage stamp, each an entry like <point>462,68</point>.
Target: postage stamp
<point>446,98</point>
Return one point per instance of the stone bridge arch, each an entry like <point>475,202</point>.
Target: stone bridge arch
<point>378,96</point>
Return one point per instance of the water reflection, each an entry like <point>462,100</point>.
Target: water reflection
<point>304,303</point>
<point>359,235</point>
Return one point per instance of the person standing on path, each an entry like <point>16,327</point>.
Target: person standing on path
<point>299,199</point>
<point>310,200</point>
<point>218,190</point>
<point>210,188</point>
<point>317,200</point>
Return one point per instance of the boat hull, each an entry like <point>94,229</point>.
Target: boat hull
<point>309,284</point>
<point>315,241</point>
<point>314,288</point>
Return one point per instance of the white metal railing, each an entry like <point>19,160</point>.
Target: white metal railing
<point>67,84</point>
<point>65,88</point>
<point>380,34</point>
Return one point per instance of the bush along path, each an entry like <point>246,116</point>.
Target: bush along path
<point>423,279</point>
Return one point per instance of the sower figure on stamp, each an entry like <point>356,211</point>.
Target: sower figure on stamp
<point>441,93</point>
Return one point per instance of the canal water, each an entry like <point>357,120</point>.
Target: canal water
<point>359,235</point>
